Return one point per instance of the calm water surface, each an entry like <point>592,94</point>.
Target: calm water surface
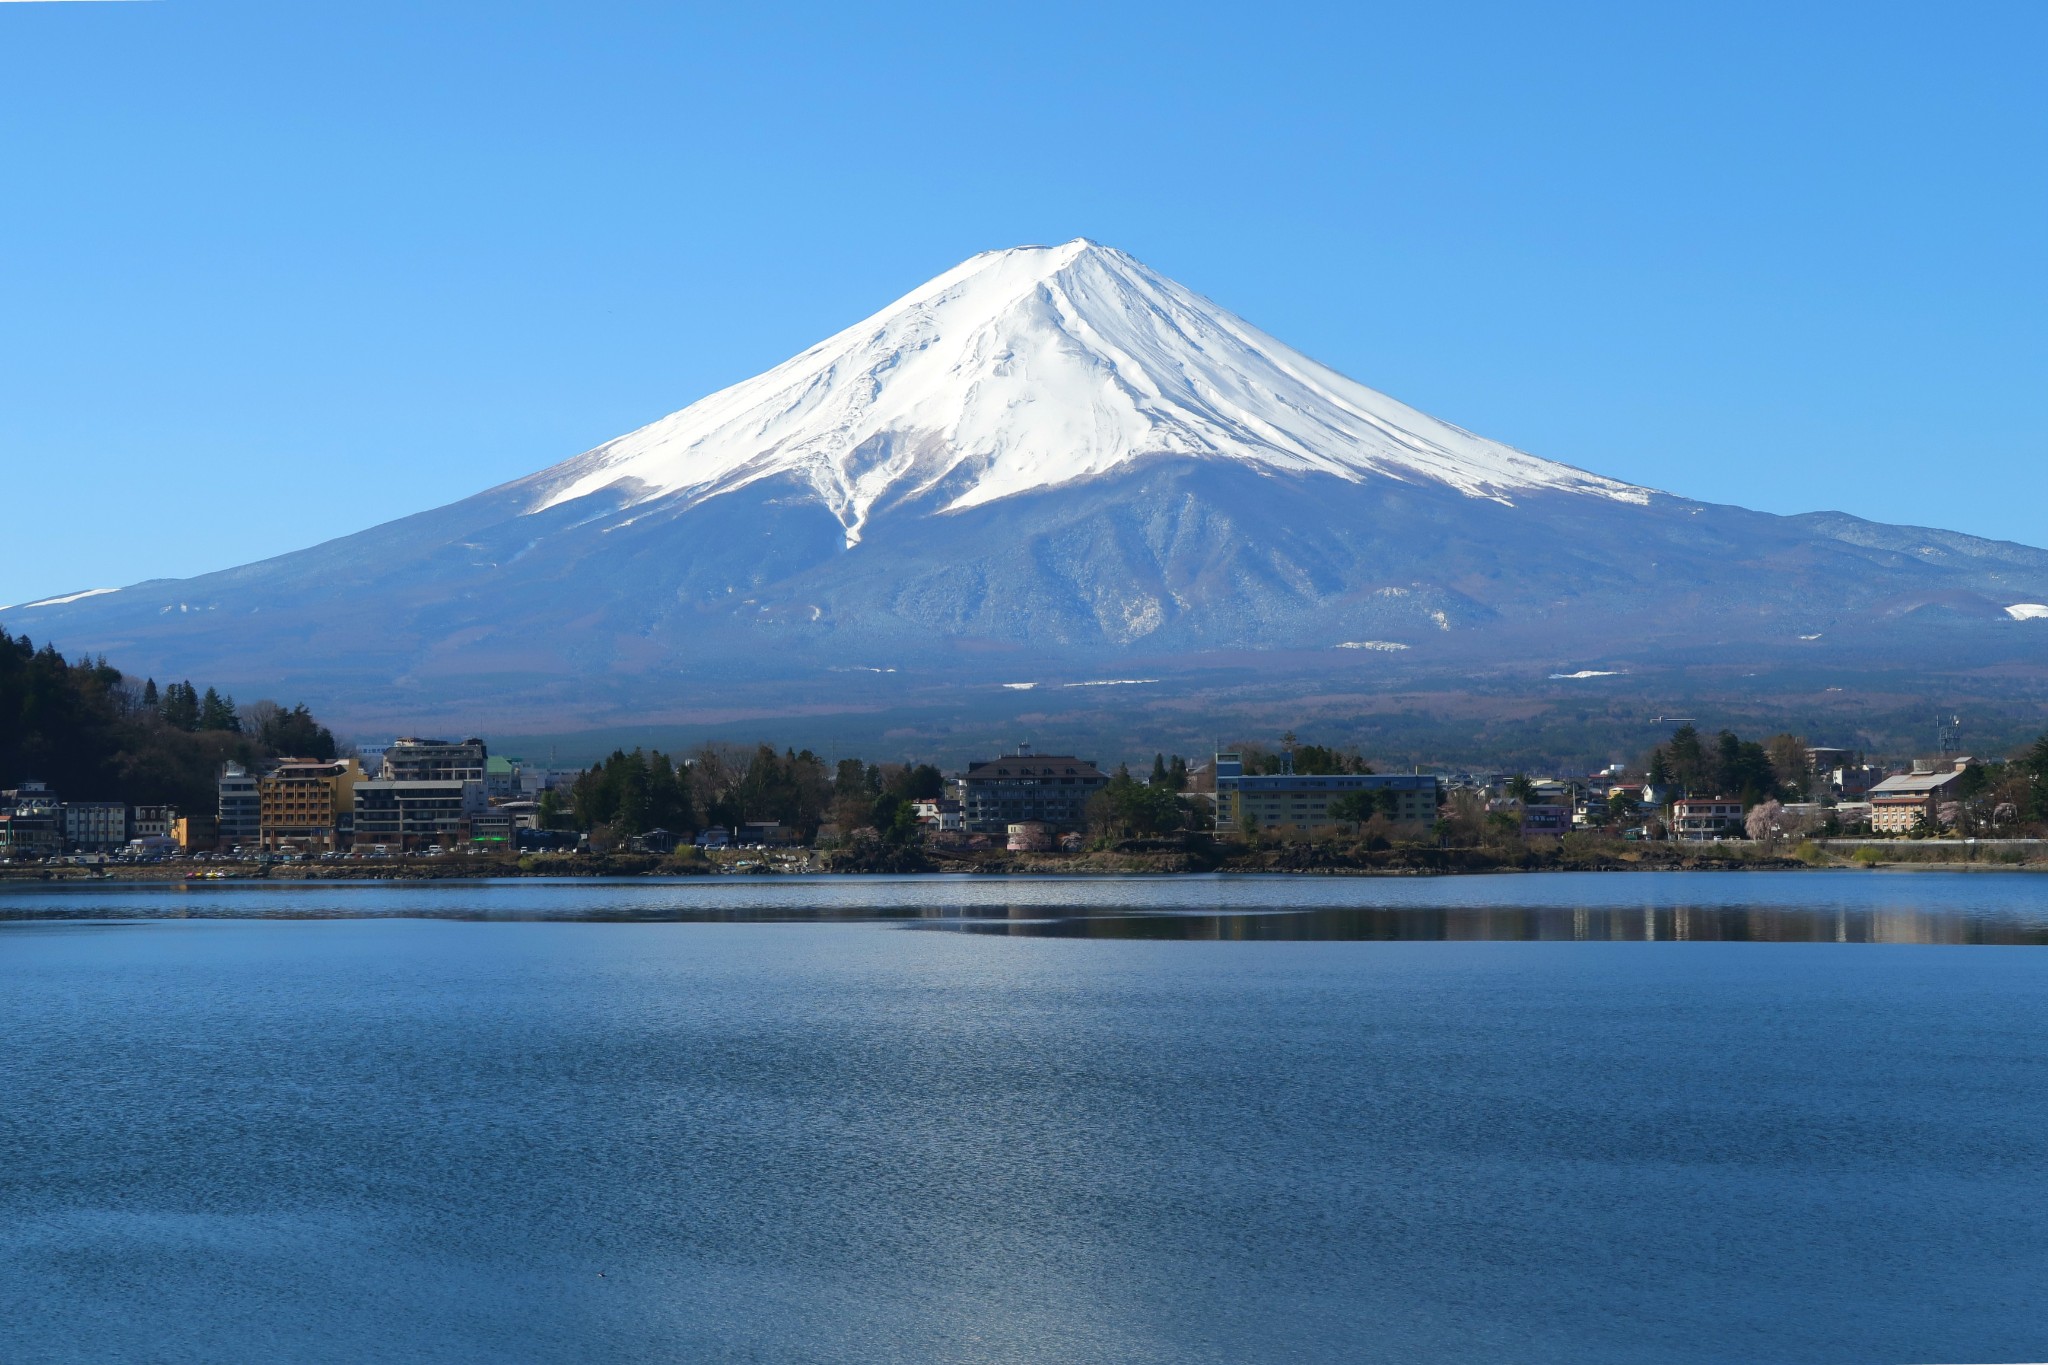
<point>1471,1119</point>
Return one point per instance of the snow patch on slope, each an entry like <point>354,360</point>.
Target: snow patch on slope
<point>60,601</point>
<point>1035,367</point>
<point>2028,611</point>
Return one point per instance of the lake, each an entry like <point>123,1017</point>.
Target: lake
<point>1635,1118</point>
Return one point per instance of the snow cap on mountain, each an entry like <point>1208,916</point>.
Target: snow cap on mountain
<point>1031,368</point>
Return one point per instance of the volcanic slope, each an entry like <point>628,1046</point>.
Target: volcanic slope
<point>1046,463</point>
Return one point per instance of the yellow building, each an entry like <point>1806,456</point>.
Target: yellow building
<point>308,806</point>
<point>1910,801</point>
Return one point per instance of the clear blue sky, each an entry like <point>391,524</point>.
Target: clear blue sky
<point>273,272</point>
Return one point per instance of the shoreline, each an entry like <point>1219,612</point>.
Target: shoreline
<point>1289,860</point>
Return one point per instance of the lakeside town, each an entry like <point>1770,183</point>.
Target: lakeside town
<point>422,798</point>
<point>97,771</point>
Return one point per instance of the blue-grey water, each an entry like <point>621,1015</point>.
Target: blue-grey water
<point>1618,1118</point>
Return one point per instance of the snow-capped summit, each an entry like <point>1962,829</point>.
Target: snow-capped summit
<point>1051,465</point>
<point>1031,368</point>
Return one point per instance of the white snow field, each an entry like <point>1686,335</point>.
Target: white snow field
<point>62,601</point>
<point>1035,367</point>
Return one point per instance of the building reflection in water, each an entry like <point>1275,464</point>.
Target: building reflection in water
<point>1644,924</point>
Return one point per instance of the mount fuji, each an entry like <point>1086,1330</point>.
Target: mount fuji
<point>1029,369</point>
<point>1051,465</point>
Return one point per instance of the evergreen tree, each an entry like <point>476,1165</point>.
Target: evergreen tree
<point>296,734</point>
<point>917,782</point>
<point>1177,774</point>
<point>1159,777</point>
<point>631,794</point>
<point>855,780</point>
<point>149,697</point>
<point>1726,764</point>
<point>1312,760</point>
<point>180,707</point>
<point>1689,761</point>
<point>1354,808</point>
<point>1742,769</point>
<point>895,820</point>
<point>217,712</point>
<point>668,796</point>
<point>1128,808</point>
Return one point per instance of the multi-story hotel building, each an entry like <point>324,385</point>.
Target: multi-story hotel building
<point>1294,804</point>
<point>435,760</point>
<point>404,817</point>
<point>241,807</point>
<point>307,806</point>
<point>95,826</point>
<point>1052,789</point>
<point>1910,801</point>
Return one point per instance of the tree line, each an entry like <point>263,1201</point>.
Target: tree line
<point>633,793</point>
<point>629,794</point>
<point>1730,766</point>
<point>85,730</point>
<point>1987,792</point>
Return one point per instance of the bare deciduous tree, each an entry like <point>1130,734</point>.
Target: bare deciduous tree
<point>257,716</point>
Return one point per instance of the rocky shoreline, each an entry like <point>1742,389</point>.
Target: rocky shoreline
<point>1154,857</point>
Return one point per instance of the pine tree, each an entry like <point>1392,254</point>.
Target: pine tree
<point>217,712</point>
<point>1727,763</point>
<point>1159,777</point>
<point>181,706</point>
<point>149,696</point>
<point>295,733</point>
<point>1688,760</point>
